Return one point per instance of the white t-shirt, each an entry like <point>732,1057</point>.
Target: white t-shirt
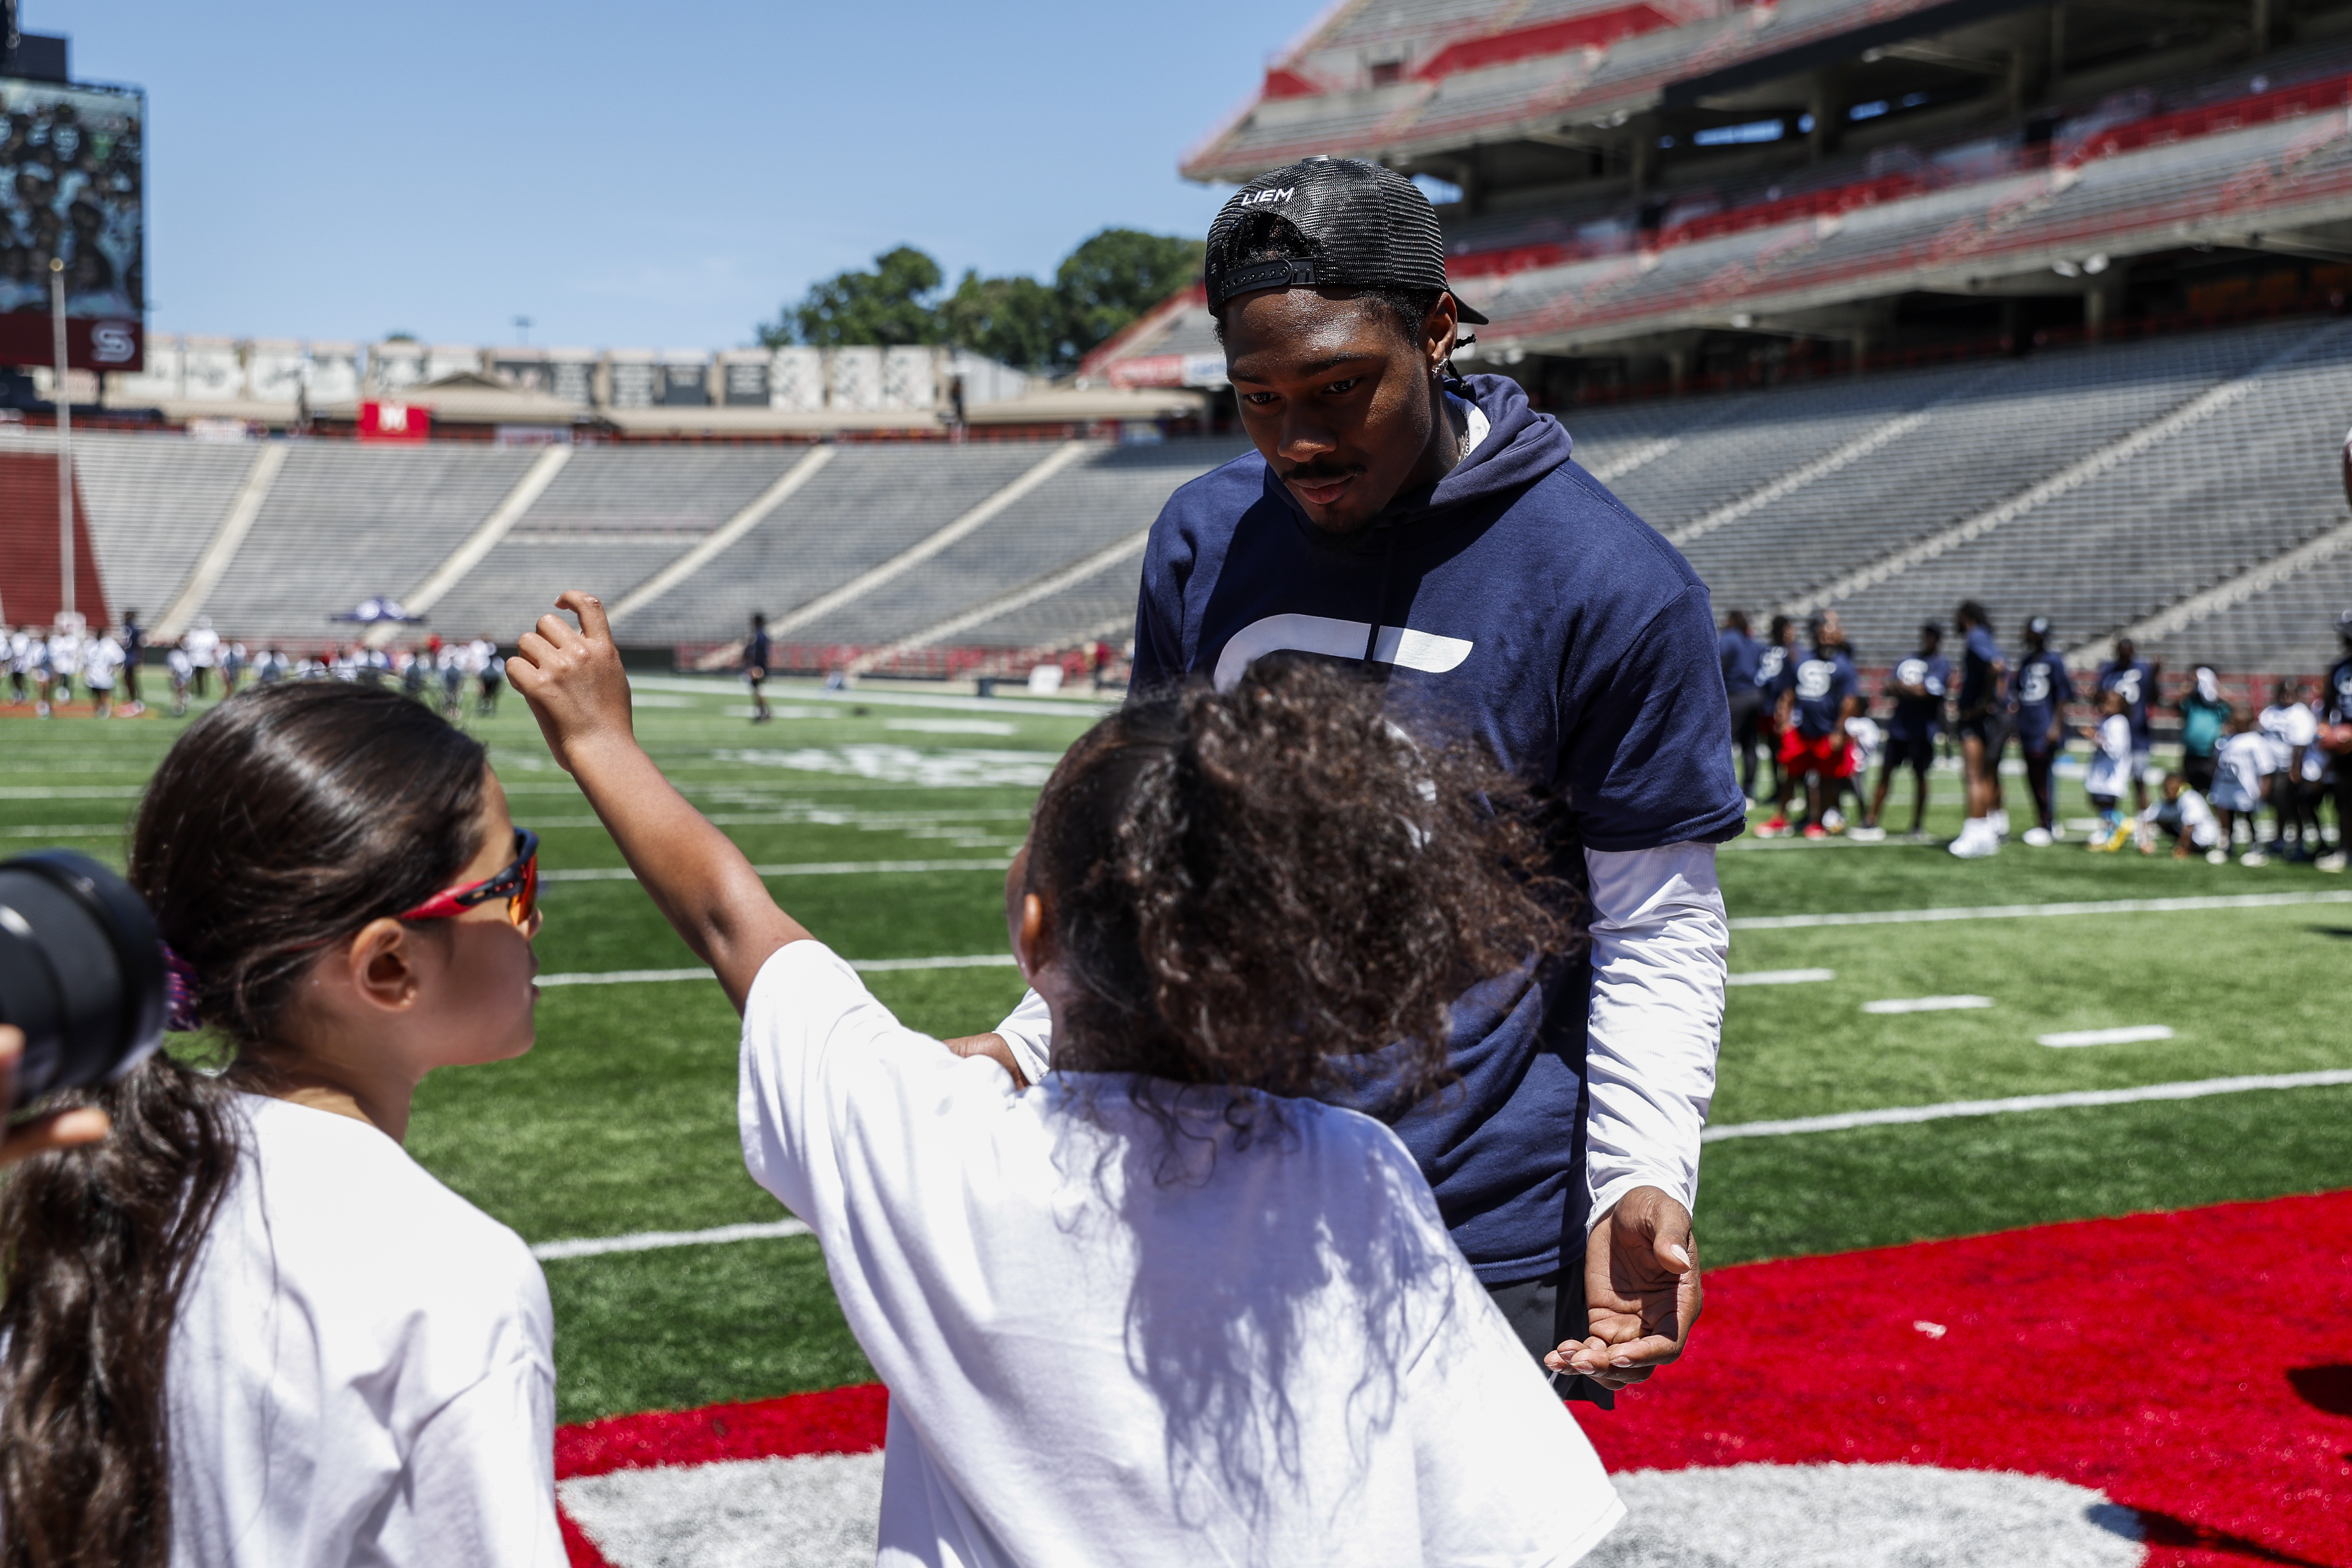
<point>2110,770</point>
<point>360,1372</point>
<point>105,658</point>
<point>1104,1347</point>
<point>2290,729</point>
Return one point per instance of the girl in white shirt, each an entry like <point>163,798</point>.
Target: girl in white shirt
<point>1163,1308</point>
<point>248,1330</point>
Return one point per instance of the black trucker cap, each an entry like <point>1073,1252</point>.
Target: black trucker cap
<point>1368,227</point>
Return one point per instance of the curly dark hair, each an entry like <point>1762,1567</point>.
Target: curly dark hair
<point>1253,888</point>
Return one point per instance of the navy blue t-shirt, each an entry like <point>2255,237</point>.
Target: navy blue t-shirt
<point>1979,686</point>
<point>2338,697</point>
<point>1919,718</point>
<point>2137,682</point>
<point>755,652</point>
<point>1775,672</point>
<point>1740,654</point>
<point>2038,688</point>
<point>1825,679</point>
<point>1526,606</point>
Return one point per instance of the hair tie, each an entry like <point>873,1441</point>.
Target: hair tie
<point>180,988</point>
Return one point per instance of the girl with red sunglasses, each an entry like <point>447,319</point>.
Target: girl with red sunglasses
<point>274,1334</point>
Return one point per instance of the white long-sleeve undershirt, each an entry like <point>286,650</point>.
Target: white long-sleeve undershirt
<point>1660,950</point>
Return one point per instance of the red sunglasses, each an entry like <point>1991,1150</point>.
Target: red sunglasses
<point>518,885</point>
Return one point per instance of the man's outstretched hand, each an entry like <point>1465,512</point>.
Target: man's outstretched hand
<point>1641,1291</point>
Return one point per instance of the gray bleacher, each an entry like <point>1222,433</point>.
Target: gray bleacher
<point>611,519</point>
<point>152,504</point>
<point>2287,629</point>
<point>869,502</point>
<point>346,522</point>
<point>1110,495</point>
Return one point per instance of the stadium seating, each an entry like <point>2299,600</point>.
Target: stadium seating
<point>152,505</point>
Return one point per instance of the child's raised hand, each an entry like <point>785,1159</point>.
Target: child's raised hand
<point>573,678</point>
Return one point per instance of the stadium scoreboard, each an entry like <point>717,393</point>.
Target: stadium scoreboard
<point>73,182</point>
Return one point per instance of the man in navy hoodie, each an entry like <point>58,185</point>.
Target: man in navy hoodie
<point>1437,531</point>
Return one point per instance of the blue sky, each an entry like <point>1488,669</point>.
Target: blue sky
<point>640,174</point>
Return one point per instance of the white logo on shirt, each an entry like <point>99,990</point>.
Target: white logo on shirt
<point>2033,684</point>
<point>1400,645</point>
<point>1813,678</point>
<point>1911,672</point>
<point>1768,670</point>
<point>2127,682</point>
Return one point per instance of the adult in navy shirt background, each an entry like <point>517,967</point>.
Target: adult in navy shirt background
<point>756,654</point>
<point>1983,721</point>
<point>1819,699</point>
<point>2037,695</point>
<point>1741,655</point>
<point>2335,739</point>
<point>2135,677</point>
<point>1919,685</point>
<point>1438,533</point>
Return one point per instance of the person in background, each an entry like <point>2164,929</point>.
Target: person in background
<point>2135,678</point>
<point>452,670</point>
<point>233,663</point>
<point>2037,697</point>
<point>15,654</point>
<point>2181,817</point>
<point>2204,721</point>
<point>1776,679</point>
<point>2241,770</point>
<point>134,651</point>
<point>2105,779</point>
<point>1983,732</point>
<point>756,654</point>
<point>2335,741</point>
<point>100,668</point>
<point>66,650</point>
<point>1814,746</point>
<point>202,645</point>
<point>272,667</point>
<point>1918,686</point>
<point>1742,656</point>
<point>182,670</point>
<point>2298,765</point>
<point>493,675</point>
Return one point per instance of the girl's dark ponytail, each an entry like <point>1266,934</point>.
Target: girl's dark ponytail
<point>282,821</point>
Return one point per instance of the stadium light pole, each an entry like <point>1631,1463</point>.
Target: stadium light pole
<point>65,439</point>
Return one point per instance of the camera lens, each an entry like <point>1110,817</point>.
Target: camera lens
<point>81,972</point>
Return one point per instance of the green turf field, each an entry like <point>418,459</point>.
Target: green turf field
<point>888,818</point>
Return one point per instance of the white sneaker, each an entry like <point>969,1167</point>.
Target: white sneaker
<point>1976,840</point>
<point>2037,838</point>
<point>2332,861</point>
<point>2217,856</point>
<point>1999,821</point>
<point>2253,858</point>
<point>2057,833</point>
<point>1865,833</point>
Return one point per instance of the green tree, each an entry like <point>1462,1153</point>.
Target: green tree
<point>887,306</point>
<point>1119,274</point>
<point>1016,320</point>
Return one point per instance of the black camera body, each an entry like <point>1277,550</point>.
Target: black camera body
<point>81,972</point>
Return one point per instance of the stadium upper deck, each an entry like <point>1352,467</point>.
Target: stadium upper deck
<point>1694,192</point>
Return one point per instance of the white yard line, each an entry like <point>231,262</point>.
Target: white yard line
<point>806,868</point>
<point>865,965</point>
<point>1926,1004</point>
<point>1781,976</point>
<point>653,1241</point>
<point>2025,911</point>
<point>2130,1034</point>
<point>1903,1115</point>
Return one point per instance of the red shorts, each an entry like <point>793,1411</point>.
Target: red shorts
<point>1826,754</point>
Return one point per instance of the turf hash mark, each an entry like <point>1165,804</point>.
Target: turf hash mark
<point>1926,1004</point>
<point>2029,912</point>
<point>2129,1034</point>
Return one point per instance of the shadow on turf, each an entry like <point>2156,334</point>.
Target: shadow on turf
<point>2164,1529</point>
<point>2341,934</point>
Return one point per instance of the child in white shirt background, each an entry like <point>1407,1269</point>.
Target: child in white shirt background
<point>2109,772</point>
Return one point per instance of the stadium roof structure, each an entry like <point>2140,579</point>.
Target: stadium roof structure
<point>1643,195</point>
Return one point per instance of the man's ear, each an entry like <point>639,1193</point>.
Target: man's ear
<point>1440,330</point>
<point>381,964</point>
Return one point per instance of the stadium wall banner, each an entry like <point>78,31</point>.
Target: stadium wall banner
<point>72,186</point>
<point>395,422</point>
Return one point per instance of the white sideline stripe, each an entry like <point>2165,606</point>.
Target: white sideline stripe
<point>1780,978</point>
<point>213,564</point>
<point>2072,476</point>
<point>481,541</point>
<point>654,1240</point>
<point>735,528</point>
<point>1869,441</point>
<point>864,966</point>
<point>922,550</point>
<point>1019,598</point>
<point>2130,1034</point>
<point>1926,1004</point>
<point>2025,911</point>
<point>805,869</point>
<point>1903,1115</point>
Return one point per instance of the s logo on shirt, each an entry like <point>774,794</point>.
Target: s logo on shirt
<point>1767,669</point>
<point>1813,678</point>
<point>2127,682</point>
<point>2033,684</point>
<point>1911,672</point>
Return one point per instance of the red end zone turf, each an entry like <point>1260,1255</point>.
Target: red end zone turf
<point>2196,1367</point>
